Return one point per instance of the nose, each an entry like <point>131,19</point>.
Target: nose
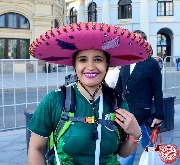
<point>91,65</point>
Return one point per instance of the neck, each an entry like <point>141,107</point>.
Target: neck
<point>91,90</point>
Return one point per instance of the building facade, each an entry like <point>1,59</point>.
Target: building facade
<point>22,21</point>
<point>159,19</point>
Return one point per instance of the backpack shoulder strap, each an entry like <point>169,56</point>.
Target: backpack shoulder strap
<point>70,100</point>
<point>69,106</point>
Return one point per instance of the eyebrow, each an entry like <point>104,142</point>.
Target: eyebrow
<point>82,56</point>
<point>98,56</point>
<point>87,56</point>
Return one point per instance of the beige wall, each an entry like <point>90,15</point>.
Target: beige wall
<point>40,13</point>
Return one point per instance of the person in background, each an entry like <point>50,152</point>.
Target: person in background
<point>141,82</point>
<point>98,141</point>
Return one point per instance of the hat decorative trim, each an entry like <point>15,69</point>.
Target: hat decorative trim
<point>57,45</point>
<point>114,42</point>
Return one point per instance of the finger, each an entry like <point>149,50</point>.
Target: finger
<point>158,124</point>
<point>119,123</point>
<point>124,116</point>
<point>120,110</point>
<point>153,123</point>
<point>121,118</point>
<point>124,113</point>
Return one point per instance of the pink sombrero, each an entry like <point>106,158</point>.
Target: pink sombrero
<point>58,45</point>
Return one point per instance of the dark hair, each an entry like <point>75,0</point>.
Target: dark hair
<point>108,57</point>
<point>143,35</point>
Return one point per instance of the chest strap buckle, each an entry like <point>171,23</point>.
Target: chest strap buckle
<point>89,120</point>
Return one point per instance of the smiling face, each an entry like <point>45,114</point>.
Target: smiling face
<point>91,68</point>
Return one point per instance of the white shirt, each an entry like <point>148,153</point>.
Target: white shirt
<point>112,77</point>
<point>132,67</point>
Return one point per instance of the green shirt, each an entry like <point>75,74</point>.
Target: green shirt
<point>76,146</point>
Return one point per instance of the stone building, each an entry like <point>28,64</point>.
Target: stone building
<point>159,19</point>
<point>22,21</point>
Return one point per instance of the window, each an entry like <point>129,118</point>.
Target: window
<point>124,9</point>
<point>92,12</point>
<point>73,15</point>
<point>24,49</point>
<point>2,46</point>
<point>56,24</point>
<point>2,21</point>
<point>14,20</point>
<point>14,48</point>
<point>24,23</point>
<point>165,8</point>
<point>163,45</point>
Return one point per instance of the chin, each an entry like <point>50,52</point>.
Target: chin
<point>92,85</point>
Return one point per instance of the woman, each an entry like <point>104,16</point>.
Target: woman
<point>72,45</point>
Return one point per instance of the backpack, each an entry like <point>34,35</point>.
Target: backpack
<point>71,78</point>
<point>69,107</point>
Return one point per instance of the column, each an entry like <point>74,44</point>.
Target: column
<point>144,17</point>
<point>80,13</point>
<point>105,12</point>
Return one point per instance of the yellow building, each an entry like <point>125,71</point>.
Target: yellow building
<point>21,21</point>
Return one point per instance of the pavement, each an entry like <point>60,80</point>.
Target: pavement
<point>13,146</point>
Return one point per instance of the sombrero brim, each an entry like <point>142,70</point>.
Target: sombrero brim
<point>59,44</point>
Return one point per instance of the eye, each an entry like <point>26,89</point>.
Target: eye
<point>98,59</point>
<point>82,59</point>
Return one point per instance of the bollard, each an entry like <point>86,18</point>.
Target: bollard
<point>28,113</point>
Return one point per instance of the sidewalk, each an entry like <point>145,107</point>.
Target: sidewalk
<point>20,81</point>
<point>13,143</point>
<point>13,147</point>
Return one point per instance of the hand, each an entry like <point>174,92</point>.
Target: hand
<point>156,123</point>
<point>128,122</point>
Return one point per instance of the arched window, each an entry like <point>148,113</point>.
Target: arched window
<point>163,45</point>
<point>92,12</point>
<point>73,15</point>
<point>165,8</point>
<point>14,20</point>
<point>14,48</point>
<point>124,9</point>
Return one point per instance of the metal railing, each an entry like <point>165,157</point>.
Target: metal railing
<point>171,76</point>
<point>23,83</point>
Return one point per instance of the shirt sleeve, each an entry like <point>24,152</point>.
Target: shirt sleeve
<point>47,115</point>
<point>157,90</point>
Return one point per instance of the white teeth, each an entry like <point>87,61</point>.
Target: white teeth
<point>90,75</point>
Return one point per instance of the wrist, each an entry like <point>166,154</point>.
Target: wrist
<point>134,140</point>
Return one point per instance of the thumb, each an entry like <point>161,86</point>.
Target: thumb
<point>153,123</point>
